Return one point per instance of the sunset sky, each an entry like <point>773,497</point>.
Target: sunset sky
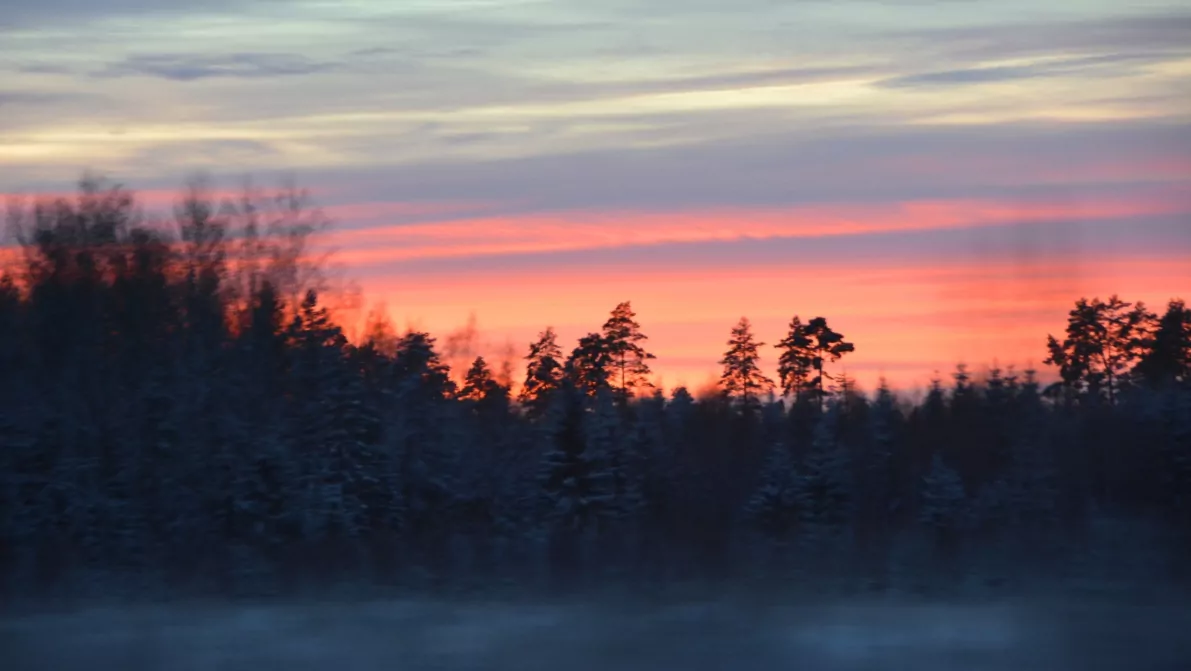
<point>941,180</point>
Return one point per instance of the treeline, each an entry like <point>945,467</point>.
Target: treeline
<point>179,410</point>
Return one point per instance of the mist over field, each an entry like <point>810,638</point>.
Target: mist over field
<point>1085,634</point>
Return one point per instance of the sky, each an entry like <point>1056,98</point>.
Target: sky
<point>941,180</point>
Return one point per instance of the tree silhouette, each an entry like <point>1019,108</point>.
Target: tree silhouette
<point>1103,341</point>
<point>543,373</point>
<point>481,388</point>
<point>805,351</point>
<point>742,381</point>
<point>478,382</point>
<point>590,364</point>
<point>1168,358</point>
<point>418,366</point>
<point>181,407</point>
<point>796,363</point>
<point>622,337</point>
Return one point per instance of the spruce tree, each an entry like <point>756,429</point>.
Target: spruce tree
<point>774,507</point>
<point>943,507</point>
<point>826,486</point>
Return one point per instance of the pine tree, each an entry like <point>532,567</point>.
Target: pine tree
<point>796,363</point>
<point>543,374</point>
<point>805,352</point>
<point>1103,342</point>
<point>622,337</point>
<point>418,366</point>
<point>478,383</point>
<point>742,380</point>
<point>589,364</point>
<point>1168,358</point>
<point>488,398</point>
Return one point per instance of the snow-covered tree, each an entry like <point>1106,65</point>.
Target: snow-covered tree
<point>774,507</point>
<point>826,487</point>
<point>943,507</point>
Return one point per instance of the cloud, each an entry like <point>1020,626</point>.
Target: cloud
<point>744,79</point>
<point>811,234</point>
<point>570,231</point>
<point>970,76</point>
<point>44,69</point>
<point>855,163</point>
<point>185,68</point>
<point>12,98</point>
<point>1103,64</point>
<point>59,13</point>
<point>1096,35</point>
<point>853,269</point>
<point>743,159</point>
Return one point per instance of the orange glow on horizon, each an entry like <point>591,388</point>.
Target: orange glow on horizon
<point>906,321</point>
<point>908,318</point>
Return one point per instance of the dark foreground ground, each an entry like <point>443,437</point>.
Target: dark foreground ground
<point>730,634</point>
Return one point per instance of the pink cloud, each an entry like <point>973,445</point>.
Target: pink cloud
<point>570,231</point>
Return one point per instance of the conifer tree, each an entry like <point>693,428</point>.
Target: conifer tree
<point>806,350</point>
<point>478,382</point>
<point>589,365</point>
<point>1104,340</point>
<point>826,485</point>
<point>577,483</point>
<point>481,389</point>
<point>622,337</point>
<point>1168,357</point>
<point>543,373</point>
<point>943,507</point>
<point>774,506</point>
<point>418,365</point>
<point>742,380</point>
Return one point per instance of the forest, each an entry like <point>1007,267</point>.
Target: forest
<point>180,412</point>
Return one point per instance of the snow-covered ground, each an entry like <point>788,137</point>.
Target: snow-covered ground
<point>734,636</point>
